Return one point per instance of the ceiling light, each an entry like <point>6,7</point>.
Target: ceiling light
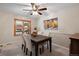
<point>35,13</point>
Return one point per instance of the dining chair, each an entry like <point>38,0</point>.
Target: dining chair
<point>28,47</point>
<point>27,43</point>
<point>23,43</point>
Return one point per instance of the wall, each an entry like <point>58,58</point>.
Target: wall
<point>42,18</point>
<point>7,27</point>
<point>68,21</point>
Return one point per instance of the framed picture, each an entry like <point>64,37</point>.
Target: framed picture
<point>51,23</point>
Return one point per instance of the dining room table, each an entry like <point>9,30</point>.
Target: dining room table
<point>40,39</point>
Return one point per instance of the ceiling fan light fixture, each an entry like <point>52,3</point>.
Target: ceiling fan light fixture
<point>35,13</point>
<point>35,9</point>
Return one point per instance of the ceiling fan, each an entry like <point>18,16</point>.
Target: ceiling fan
<point>36,9</point>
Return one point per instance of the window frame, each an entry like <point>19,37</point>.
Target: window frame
<point>23,20</point>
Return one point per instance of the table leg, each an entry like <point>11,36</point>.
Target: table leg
<point>36,49</point>
<point>47,44</point>
<point>50,42</point>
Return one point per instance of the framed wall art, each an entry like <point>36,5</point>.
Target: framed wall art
<point>51,23</point>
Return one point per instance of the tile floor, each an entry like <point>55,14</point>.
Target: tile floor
<point>15,50</point>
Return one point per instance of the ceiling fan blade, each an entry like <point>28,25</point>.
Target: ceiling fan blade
<point>26,10</point>
<point>31,14</point>
<point>42,9</point>
<point>32,3</point>
<point>34,6</point>
<point>39,13</point>
<point>21,4</point>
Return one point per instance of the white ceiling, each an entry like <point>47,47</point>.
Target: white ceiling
<point>17,8</point>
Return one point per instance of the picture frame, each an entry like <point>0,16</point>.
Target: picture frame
<point>51,23</point>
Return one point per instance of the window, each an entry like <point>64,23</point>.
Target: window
<point>21,25</point>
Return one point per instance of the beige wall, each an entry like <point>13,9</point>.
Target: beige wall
<point>68,23</point>
<point>7,27</point>
<point>68,20</point>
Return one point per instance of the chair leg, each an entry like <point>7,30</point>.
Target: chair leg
<point>31,53</point>
<point>47,45</point>
<point>22,46</point>
<point>26,50</point>
<point>40,50</point>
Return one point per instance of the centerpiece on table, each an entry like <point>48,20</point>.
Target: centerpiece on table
<point>34,33</point>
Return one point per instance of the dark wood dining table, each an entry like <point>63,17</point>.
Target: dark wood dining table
<point>41,39</point>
